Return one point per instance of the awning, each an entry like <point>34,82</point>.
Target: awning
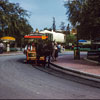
<point>32,37</point>
<point>8,38</point>
<point>82,41</point>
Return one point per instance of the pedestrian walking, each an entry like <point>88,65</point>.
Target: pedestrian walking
<point>1,47</point>
<point>48,49</point>
<point>55,52</point>
<point>59,48</point>
<point>62,48</point>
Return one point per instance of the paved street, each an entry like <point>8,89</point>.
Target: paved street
<point>23,81</point>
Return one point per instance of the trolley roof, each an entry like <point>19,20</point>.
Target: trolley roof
<point>36,35</point>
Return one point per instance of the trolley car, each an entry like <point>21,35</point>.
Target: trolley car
<point>31,54</point>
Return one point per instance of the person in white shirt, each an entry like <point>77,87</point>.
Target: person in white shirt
<point>28,47</point>
<point>55,52</point>
<point>1,47</point>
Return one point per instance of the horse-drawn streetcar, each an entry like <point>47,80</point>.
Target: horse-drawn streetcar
<point>35,48</point>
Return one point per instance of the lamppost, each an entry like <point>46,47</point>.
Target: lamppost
<point>77,51</point>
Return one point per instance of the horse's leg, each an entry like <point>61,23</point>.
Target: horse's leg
<point>49,61</point>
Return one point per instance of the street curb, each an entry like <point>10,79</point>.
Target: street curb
<point>92,79</point>
<point>96,62</point>
<point>11,54</point>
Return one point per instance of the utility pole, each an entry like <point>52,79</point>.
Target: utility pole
<point>77,51</point>
<point>68,30</point>
<point>54,25</point>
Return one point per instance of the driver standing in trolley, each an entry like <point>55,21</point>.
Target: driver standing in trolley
<point>29,47</point>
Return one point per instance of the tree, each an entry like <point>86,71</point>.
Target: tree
<point>68,29</point>
<point>86,12</point>
<point>74,10</point>
<point>91,22</point>
<point>62,26</point>
<point>3,17</point>
<point>70,39</point>
<point>13,20</point>
<point>49,29</point>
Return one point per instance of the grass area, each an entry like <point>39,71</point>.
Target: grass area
<point>68,50</point>
<point>81,50</point>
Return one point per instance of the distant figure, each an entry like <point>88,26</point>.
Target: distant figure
<point>48,49</point>
<point>33,47</point>
<point>55,52</point>
<point>62,48</point>
<point>72,47</point>
<point>27,48</point>
<point>59,48</point>
<point>1,47</point>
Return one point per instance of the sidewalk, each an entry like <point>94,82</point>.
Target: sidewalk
<point>11,53</point>
<point>67,61</point>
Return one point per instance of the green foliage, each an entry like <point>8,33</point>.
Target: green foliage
<point>62,26</point>
<point>70,39</point>
<point>87,13</point>
<point>49,29</point>
<point>13,20</point>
